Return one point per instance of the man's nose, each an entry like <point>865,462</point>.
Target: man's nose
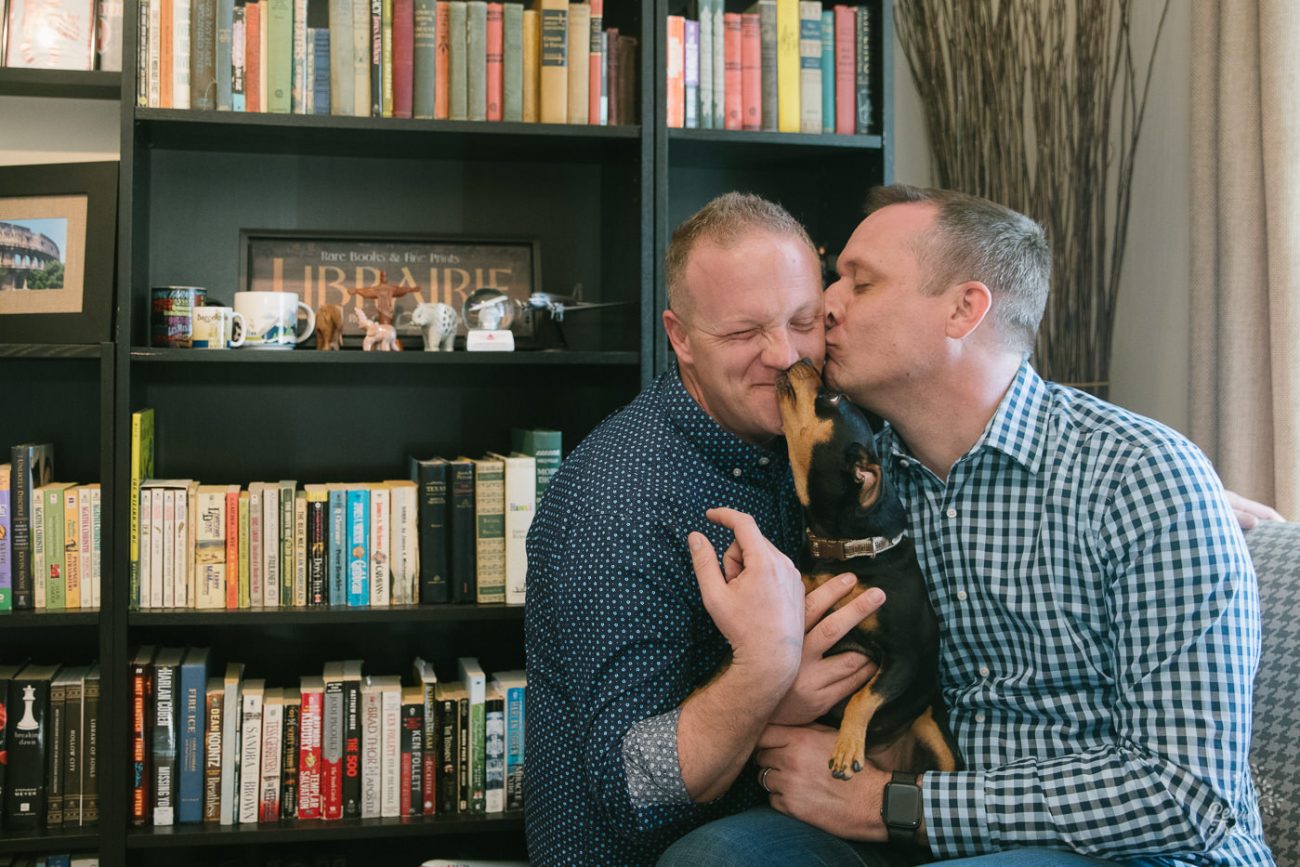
<point>780,351</point>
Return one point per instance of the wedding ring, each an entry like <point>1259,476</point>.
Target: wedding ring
<point>762,779</point>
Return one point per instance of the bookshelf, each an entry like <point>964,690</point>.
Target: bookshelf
<point>602,202</point>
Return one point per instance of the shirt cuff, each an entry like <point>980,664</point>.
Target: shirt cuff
<point>651,763</point>
<point>956,822</point>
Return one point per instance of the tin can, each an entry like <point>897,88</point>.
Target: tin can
<point>171,315</point>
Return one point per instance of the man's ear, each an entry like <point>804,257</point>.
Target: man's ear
<point>677,334</point>
<point>972,301</point>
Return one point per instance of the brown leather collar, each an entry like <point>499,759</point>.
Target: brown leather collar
<point>848,549</point>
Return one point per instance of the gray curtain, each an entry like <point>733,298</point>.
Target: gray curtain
<point>1245,293</point>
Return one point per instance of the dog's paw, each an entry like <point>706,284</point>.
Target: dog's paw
<point>848,758</point>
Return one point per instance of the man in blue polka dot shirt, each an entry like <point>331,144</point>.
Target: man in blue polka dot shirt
<point>1098,608</point>
<point>631,741</point>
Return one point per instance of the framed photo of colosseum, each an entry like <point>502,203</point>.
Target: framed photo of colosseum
<point>57,242</point>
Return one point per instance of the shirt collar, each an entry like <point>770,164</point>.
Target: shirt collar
<point>731,455</point>
<point>1017,428</point>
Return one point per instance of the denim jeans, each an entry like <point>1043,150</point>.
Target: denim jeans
<point>762,836</point>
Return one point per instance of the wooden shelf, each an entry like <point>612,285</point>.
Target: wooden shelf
<point>310,356</point>
<point>181,836</point>
<point>47,619</point>
<point>75,840</point>
<point>60,84</point>
<point>49,350</point>
<point>380,137</point>
<point>327,616</point>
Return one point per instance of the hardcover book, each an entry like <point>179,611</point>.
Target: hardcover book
<point>192,736</point>
<point>553,77</point>
<point>461,540</point>
<point>579,36</point>
<point>141,673</point>
<point>471,674</point>
<point>412,746</point>
<point>165,734</point>
<point>309,747</point>
<point>390,719</point>
<point>513,686</point>
<point>26,747</point>
<point>32,466</point>
<point>430,477</point>
<point>428,681</point>
<point>494,746</point>
<point>6,541</point>
<point>214,714</point>
<point>250,748</point>
<point>232,703</point>
<point>490,529</point>
<point>290,751</point>
<point>520,505</point>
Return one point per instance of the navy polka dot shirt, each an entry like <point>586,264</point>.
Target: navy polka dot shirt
<point>616,634</point>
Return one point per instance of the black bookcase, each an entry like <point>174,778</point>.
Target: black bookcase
<point>601,201</point>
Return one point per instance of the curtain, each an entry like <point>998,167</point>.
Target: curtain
<point>1245,223</point>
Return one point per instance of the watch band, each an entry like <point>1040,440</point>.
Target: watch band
<point>902,829</point>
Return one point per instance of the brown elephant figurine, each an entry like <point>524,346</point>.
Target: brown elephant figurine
<point>329,327</point>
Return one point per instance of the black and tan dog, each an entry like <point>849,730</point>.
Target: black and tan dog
<point>857,523</point>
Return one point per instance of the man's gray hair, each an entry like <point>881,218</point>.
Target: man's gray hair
<point>724,222</point>
<point>976,239</point>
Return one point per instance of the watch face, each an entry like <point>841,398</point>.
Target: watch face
<point>902,804</point>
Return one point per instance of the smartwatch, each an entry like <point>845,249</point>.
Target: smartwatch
<point>901,808</point>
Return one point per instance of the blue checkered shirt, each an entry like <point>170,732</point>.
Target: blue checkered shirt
<point>1100,634</point>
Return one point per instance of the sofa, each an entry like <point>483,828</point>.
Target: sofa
<point>1275,749</point>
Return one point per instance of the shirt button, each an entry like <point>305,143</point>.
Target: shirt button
<point>984,671</point>
<point>762,462</point>
<point>737,472</point>
<point>961,594</point>
<point>979,717</point>
<point>952,513</point>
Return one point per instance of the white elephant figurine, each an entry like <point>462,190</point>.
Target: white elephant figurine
<point>438,322</point>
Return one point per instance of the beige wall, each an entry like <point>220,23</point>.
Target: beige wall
<point>58,130</point>
<point>1149,360</point>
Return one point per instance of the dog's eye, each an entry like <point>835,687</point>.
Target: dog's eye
<point>834,399</point>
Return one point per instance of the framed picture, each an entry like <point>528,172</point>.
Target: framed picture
<point>57,245</point>
<point>345,268</point>
<point>50,34</point>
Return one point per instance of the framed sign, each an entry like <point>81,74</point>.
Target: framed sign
<point>57,239</point>
<point>344,269</point>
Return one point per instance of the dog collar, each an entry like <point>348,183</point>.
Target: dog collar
<point>848,549</point>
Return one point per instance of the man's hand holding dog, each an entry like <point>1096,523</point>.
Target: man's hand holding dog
<point>824,681</point>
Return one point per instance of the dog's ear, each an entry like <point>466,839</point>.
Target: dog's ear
<point>866,474</point>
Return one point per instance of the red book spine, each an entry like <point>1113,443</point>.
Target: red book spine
<point>252,57</point>
<point>232,550</point>
<point>404,808</point>
<point>495,51</point>
<point>403,56</point>
<point>441,58</point>
<point>309,756</point>
<point>846,65</point>
<point>595,62</point>
<point>751,72</point>
<point>676,108</point>
<point>732,64</point>
<point>141,686</point>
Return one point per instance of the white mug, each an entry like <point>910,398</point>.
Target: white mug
<point>218,328</point>
<point>271,319</point>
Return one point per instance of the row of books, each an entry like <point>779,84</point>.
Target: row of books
<point>785,65</point>
<point>49,743</point>
<point>452,531</point>
<point>231,749</point>
<point>67,34</point>
<point>456,60</point>
<point>51,544</point>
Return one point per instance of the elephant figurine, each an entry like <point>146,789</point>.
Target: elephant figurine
<point>329,327</point>
<point>439,323</point>
<point>379,337</point>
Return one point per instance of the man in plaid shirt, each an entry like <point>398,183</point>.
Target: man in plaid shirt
<point>1100,624</point>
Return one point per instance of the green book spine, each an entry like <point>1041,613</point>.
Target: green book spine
<point>54,589</point>
<point>425,58</point>
<point>828,71</point>
<point>458,61</point>
<point>279,55</point>
<point>512,63</point>
<point>478,754</point>
<point>476,57</point>
<point>544,445</point>
<point>490,513</point>
<point>6,533</point>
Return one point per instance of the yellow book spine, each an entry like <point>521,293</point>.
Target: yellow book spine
<point>579,61</point>
<point>532,55</point>
<point>554,71</point>
<point>787,65</point>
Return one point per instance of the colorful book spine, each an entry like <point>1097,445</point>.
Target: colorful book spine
<point>390,748</point>
<point>317,543</point>
<point>214,717</point>
<point>441,74</point>
<point>31,468</point>
<point>290,754</point>
<point>691,75</point>
<point>309,747</point>
<point>675,94</point>
<point>457,60</point>
<point>380,532</point>
<point>472,675</point>
<point>810,66</point>
<point>846,24</point>
<point>751,72</point>
<point>828,71</point>
<point>494,746</point>
<point>709,89</point>
<point>250,749</point>
<point>553,78</point>
<point>203,56</point>
<point>358,554</point>
<point>579,40</point>
<point>532,51</point>
<point>766,10</point>
<point>192,691</point>
<point>734,95</point>
<point>597,102</point>
<point>424,57</point>
<point>476,59</point>
<point>6,540</point>
<point>494,50</point>
<point>341,77</point>
<point>490,529</point>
